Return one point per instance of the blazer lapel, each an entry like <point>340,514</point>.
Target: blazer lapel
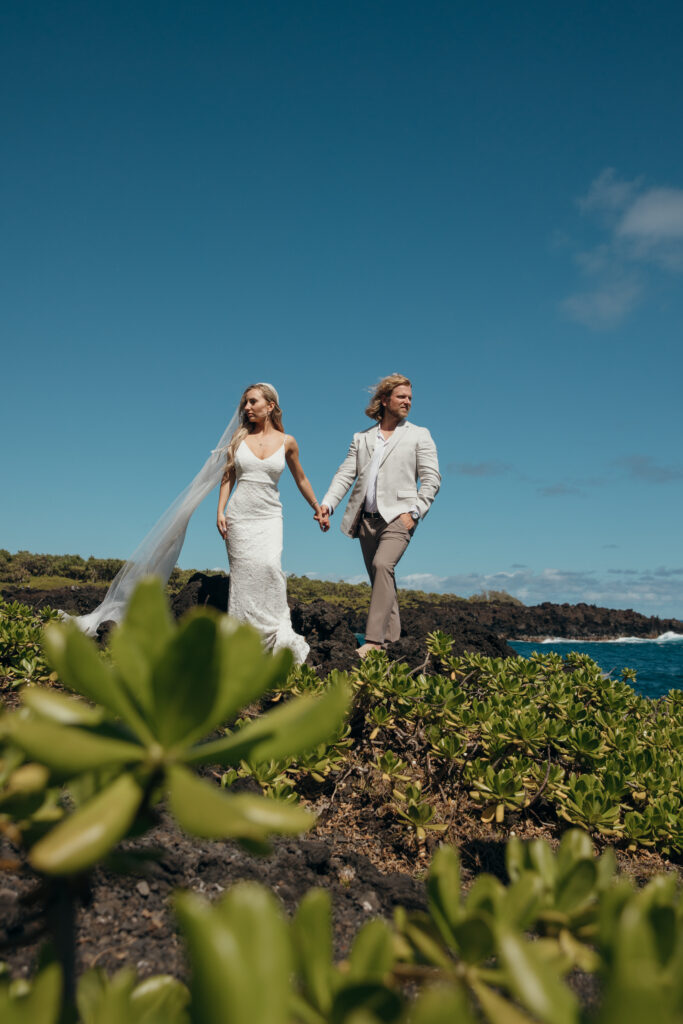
<point>399,433</point>
<point>371,440</point>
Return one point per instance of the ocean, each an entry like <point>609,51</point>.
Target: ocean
<point>658,663</point>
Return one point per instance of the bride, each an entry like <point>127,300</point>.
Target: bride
<point>252,529</point>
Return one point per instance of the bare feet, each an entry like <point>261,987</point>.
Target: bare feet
<point>365,649</point>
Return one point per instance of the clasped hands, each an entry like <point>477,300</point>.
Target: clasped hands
<point>322,517</point>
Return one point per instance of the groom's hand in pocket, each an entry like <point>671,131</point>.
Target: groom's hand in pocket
<point>408,521</point>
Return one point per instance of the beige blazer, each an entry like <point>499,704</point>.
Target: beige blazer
<point>410,456</point>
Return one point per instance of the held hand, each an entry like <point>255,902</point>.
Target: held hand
<point>322,517</point>
<point>222,525</point>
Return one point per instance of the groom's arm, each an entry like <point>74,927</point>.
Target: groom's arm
<point>428,472</point>
<point>343,478</point>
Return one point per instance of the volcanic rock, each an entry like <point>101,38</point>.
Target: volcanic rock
<point>202,589</point>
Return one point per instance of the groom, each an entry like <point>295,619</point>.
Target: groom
<point>386,503</point>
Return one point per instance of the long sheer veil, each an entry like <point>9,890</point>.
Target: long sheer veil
<point>158,553</point>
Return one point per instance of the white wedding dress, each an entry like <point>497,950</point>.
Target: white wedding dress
<point>258,589</point>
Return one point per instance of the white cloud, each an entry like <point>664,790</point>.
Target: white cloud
<point>656,215</point>
<point>605,306</point>
<point>606,192</point>
<point>652,592</point>
<point>642,231</point>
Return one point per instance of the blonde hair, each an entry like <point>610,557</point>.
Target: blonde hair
<point>245,427</point>
<point>375,410</point>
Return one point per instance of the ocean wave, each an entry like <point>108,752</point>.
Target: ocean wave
<point>663,638</point>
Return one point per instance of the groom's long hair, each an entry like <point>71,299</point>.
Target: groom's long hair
<point>376,410</point>
<point>270,395</point>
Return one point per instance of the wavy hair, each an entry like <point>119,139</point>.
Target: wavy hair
<point>245,427</point>
<point>375,410</point>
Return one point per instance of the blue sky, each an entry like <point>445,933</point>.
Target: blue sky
<point>487,197</point>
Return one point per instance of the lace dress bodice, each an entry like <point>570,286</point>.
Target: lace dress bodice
<point>258,588</point>
<point>256,482</point>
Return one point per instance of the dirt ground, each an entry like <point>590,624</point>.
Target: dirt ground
<point>367,859</point>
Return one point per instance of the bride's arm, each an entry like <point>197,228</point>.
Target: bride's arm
<point>223,495</point>
<point>300,478</point>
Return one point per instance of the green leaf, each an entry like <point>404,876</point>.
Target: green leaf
<point>574,845</point>
<point>240,956</point>
<point>246,671</point>
<point>80,667</point>
<point>57,707</point>
<point>103,1000</point>
<point>121,999</point>
<point>665,930</point>
<point>542,860</point>
<point>148,620</point>
<point>204,810</point>
<point>443,891</point>
<point>429,949</point>
<point>40,1005</point>
<point>474,939</point>
<point>229,751</point>
<point>160,998</point>
<point>312,940</point>
<point>68,750</point>
<point>133,672</point>
<point>442,1005</point>
<point>378,1001</point>
<point>372,953</point>
<point>497,1009</point>
<point>185,681</point>
<point>536,986</point>
<point>515,858</point>
<point>294,728</point>
<point>486,894</point>
<point>577,886</point>
<point>523,900</point>
<point>636,988</point>
<point>90,832</point>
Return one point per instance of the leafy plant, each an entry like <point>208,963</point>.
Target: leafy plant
<point>166,688</point>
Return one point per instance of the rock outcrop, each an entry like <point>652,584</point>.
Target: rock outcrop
<point>331,629</point>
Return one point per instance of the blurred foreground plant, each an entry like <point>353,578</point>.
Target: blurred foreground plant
<point>166,688</point>
<point>468,958</point>
<point>137,742</point>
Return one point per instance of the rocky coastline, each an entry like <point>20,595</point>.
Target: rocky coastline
<point>331,629</point>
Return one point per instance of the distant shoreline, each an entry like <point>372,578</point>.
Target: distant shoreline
<point>653,638</point>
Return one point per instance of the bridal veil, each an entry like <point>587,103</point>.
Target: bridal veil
<point>158,553</point>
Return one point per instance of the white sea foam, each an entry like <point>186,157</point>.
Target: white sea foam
<point>663,638</point>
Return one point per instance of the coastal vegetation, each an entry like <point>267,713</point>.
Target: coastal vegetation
<point>49,572</point>
<point>463,746</point>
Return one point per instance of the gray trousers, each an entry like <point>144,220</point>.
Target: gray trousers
<point>383,545</point>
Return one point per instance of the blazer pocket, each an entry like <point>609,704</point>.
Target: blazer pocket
<point>406,494</point>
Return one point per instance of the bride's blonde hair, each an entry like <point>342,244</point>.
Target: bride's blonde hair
<point>382,390</point>
<point>244,428</point>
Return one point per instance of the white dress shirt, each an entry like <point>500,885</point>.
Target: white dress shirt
<point>373,472</point>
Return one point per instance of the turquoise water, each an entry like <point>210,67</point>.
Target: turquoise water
<point>659,663</point>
